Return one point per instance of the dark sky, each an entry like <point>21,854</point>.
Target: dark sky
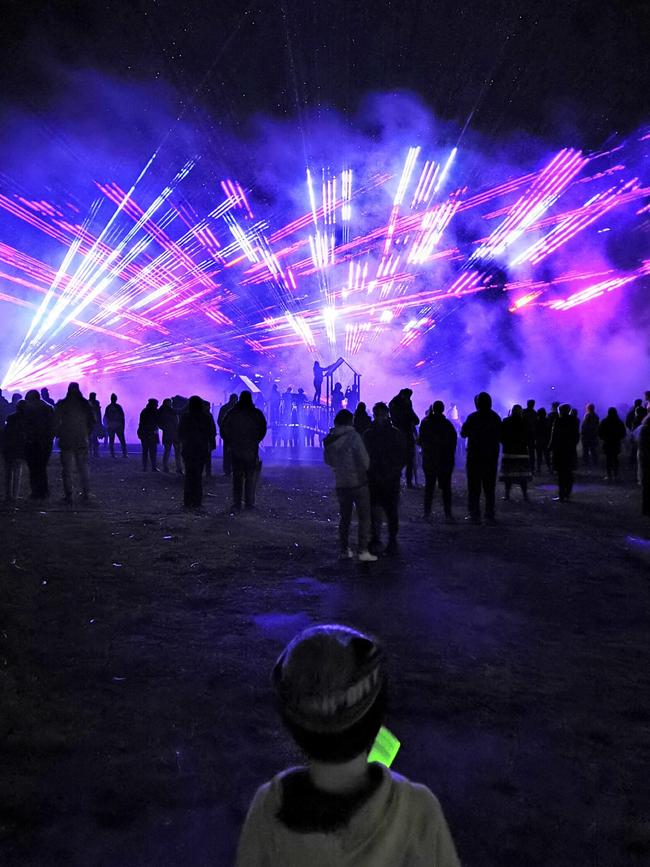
<point>581,66</point>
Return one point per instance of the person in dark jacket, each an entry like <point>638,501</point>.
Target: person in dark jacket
<point>336,398</point>
<point>4,408</point>
<point>612,432</point>
<point>13,451</point>
<point>482,429</point>
<point>73,422</point>
<point>114,423</point>
<point>244,428</point>
<point>643,456</point>
<point>386,449</point>
<point>319,372</point>
<point>565,437</point>
<point>148,434</point>
<point>213,438</point>
<point>194,434</point>
<point>45,396</point>
<point>438,440</point>
<point>168,422</point>
<point>38,431</point>
<point>542,438</point>
<point>515,460</point>
<point>404,418</point>
<point>361,419</point>
<point>530,417</point>
<point>223,412</point>
<point>97,431</point>
<point>345,452</point>
<point>589,436</point>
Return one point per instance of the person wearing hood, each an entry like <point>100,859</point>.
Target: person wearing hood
<point>565,437</point>
<point>243,429</point>
<point>345,452</point>
<point>361,419</point>
<point>386,449</point>
<point>224,409</point>
<point>38,427</point>
<point>73,421</point>
<point>194,434</point>
<point>168,422</point>
<point>612,432</point>
<point>148,434</point>
<point>482,429</point>
<point>438,440</point>
<point>405,420</point>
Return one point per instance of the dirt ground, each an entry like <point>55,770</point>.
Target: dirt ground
<point>136,643</point>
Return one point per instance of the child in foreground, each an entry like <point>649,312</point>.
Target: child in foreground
<point>339,810</point>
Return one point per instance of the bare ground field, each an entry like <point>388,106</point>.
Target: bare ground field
<point>136,642</point>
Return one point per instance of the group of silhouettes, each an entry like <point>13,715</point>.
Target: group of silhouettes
<point>369,456</point>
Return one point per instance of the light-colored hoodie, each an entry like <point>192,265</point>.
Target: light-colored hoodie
<point>347,455</point>
<point>401,825</point>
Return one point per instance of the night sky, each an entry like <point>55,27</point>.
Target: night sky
<point>575,68</point>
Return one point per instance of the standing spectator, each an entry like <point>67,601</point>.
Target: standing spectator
<point>168,423</point>
<point>404,418</point>
<point>16,397</point>
<point>530,417</point>
<point>564,440</point>
<point>612,433</point>
<point>337,397</point>
<point>438,440</point>
<point>482,429</point>
<point>244,428</point>
<point>148,434</point>
<point>4,408</point>
<point>13,452</point>
<point>223,412</point>
<point>114,423</point>
<point>45,396</point>
<point>38,428</point>
<point>212,445</point>
<point>194,433</point>
<point>73,422</point>
<point>97,431</point>
<point>347,455</point>
<point>552,418</point>
<point>386,449</point>
<point>274,413</point>
<point>644,464</point>
<point>361,419</point>
<point>515,460</point>
<point>589,436</point>
<point>542,439</point>
<point>330,690</point>
<point>630,418</point>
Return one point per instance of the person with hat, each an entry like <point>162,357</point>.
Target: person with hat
<point>330,690</point>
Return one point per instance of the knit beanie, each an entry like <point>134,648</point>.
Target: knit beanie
<point>328,678</point>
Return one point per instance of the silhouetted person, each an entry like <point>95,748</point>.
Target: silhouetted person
<point>361,419</point>
<point>16,397</point>
<point>530,417</point>
<point>194,434</point>
<point>97,431</point>
<point>563,444</point>
<point>38,431</point>
<point>515,460</point>
<point>4,408</point>
<point>274,413</point>
<point>482,429</point>
<point>148,434</point>
<point>114,423</point>
<point>213,438</point>
<point>352,398</point>
<point>644,464</point>
<point>542,439</point>
<point>612,432</point>
<point>386,449</point>
<point>318,382</point>
<point>589,436</point>
<point>45,396</point>
<point>337,397</point>
<point>404,418</point>
<point>310,429</point>
<point>223,412</point>
<point>244,428</point>
<point>552,418</point>
<point>438,440</point>
<point>630,418</point>
<point>168,421</point>
<point>345,452</point>
<point>13,451</point>
<point>73,422</point>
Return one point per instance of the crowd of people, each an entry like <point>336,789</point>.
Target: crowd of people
<point>369,455</point>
